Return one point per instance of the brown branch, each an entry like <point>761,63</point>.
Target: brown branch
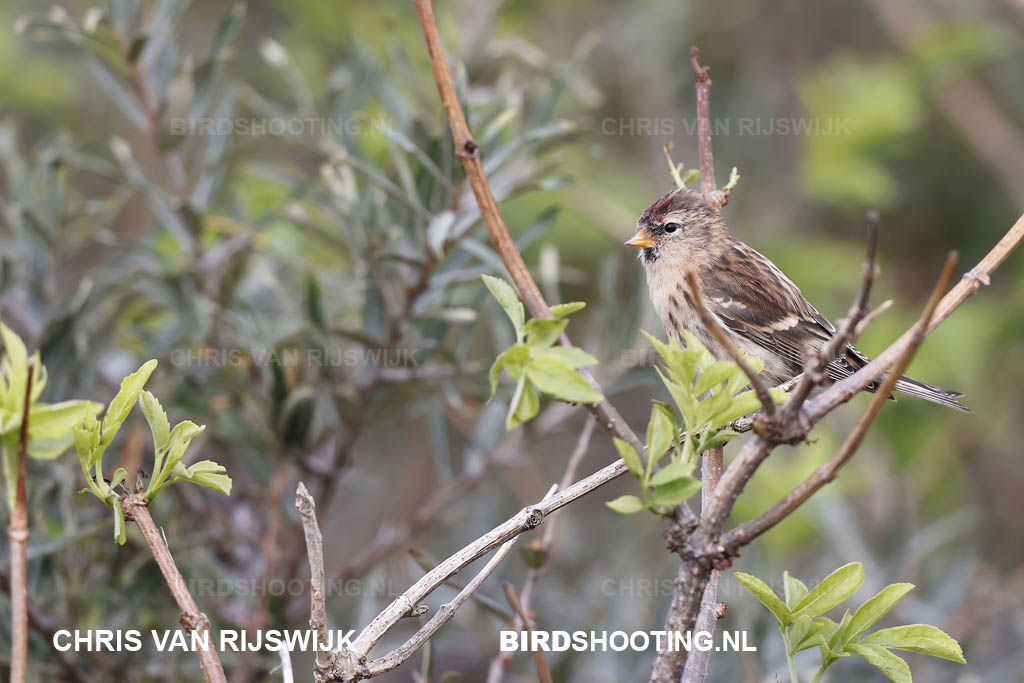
<point>711,323</point>
<point>468,152</point>
<point>192,619</point>
<point>669,665</point>
<point>846,332</point>
<point>43,625</point>
<point>748,531</point>
<point>972,280</point>
<point>707,159</point>
<point>17,534</point>
<point>696,669</point>
<point>317,594</point>
<point>543,672</point>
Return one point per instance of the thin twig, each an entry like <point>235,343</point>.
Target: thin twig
<point>705,549</point>
<point>543,672</point>
<point>847,330</point>
<point>317,595</point>
<point>17,534</point>
<point>440,618</point>
<point>711,323</point>
<point>711,611</point>
<point>192,619</point>
<point>669,665</point>
<point>468,152</point>
<point>748,531</point>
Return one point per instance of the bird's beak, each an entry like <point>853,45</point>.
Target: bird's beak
<point>642,239</point>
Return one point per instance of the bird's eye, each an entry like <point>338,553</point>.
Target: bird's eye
<point>672,227</point>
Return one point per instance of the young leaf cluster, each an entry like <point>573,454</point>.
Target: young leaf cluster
<point>799,616</point>
<point>50,425</point>
<point>708,395</point>
<point>536,362</point>
<point>92,437</point>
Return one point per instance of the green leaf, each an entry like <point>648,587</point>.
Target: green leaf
<point>795,589</point>
<point>802,630</point>
<point>629,456</point>
<point>720,438</point>
<point>715,374</point>
<point>543,332</point>
<point>559,379</point>
<point>626,505</point>
<point>524,405</point>
<point>120,474</point>
<point>87,437</point>
<point>157,419</point>
<point>675,492</point>
<point>661,431</point>
<point>57,420</point>
<point>876,607</point>
<point>562,310</point>
<point>683,398</point>
<point>571,355</point>
<point>121,404</point>
<point>672,472</point>
<point>834,589</point>
<point>13,371</point>
<point>918,638</point>
<point>740,380</point>
<point>209,474</point>
<point>513,361</point>
<point>120,534</point>
<point>839,638</point>
<point>892,666</point>
<point>741,405</point>
<point>760,590</point>
<point>509,301</point>
<point>181,436</point>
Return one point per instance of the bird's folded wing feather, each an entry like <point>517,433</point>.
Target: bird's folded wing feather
<point>759,303</point>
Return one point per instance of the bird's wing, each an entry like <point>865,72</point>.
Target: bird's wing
<point>759,303</point>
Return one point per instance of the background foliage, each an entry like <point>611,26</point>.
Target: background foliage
<point>313,296</point>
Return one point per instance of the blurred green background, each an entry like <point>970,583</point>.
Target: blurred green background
<point>264,197</point>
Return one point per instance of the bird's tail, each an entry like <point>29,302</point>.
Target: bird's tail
<point>938,395</point>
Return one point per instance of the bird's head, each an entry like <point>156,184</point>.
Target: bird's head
<point>681,227</point>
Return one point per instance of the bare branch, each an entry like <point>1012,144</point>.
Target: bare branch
<point>697,663</point>
<point>846,331</point>
<point>468,151</point>
<point>543,672</point>
<point>317,595</point>
<point>17,534</point>
<point>748,531</point>
<point>440,618</point>
<point>711,323</point>
<point>972,280</point>
<point>192,619</point>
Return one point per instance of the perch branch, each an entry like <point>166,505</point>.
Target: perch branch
<point>748,531</point>
<point>137,510</point>
<point>468,151</point>
<point>440,618</point>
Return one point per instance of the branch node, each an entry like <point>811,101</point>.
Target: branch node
<point>978,275</point>
<point>469,148</point>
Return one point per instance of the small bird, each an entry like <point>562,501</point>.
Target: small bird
<point>755,302</point>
